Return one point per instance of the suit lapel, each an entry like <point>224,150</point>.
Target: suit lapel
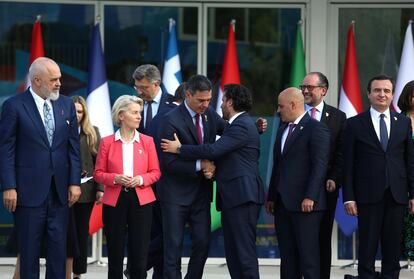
<point>366,119</point>
<point>278,143</point>
<point>393,127</point>
<point>189,122</point>
<point>205,127</point>
<point>296,133</point>
<point>33,112</point>
<point>58,114</point>
<point>326,114</point>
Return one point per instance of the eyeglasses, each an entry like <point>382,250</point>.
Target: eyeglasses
<point>310,88</point>
<point>141,88</point>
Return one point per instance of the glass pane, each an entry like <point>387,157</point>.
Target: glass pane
<point>265,39</point>
<point>65,39</point>
<point>375,29</point>
<point>136,35</point>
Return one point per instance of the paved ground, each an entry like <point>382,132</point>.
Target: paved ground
<point>210,272</point>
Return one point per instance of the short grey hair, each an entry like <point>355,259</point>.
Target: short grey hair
<point>147,71</point>
<point>39,66</point>
<point>121,104</point>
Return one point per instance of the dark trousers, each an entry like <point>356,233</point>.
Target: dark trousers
<point>239,229</point>
<point>47,222</point>
<point>82,213</point>
<point>127,216</point>
<point>298,238</point>
<point>380,222</point>
<point>174,218</point>
<point>325,236</point>
<point>156,248</point>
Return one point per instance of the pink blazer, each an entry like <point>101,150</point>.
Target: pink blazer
<point>109,163</point>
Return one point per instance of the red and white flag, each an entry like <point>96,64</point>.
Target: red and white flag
<point>350,100</point>
<point>36,50</point>
<point>230,66</point>
<point>406,70</point>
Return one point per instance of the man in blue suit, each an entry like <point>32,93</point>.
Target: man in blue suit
<point>379,178</point>
<point>236,155</point>
<point>40,168</point>
<point>183,190</point>
<point>297,196</point>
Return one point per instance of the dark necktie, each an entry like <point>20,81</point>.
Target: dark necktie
<point>383,132</point>
<point>49,125</point>
<point>291,127</point>
<point>198,129</point>
<point>148,117</point>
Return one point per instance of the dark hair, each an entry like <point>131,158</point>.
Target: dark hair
<point>240,95</point>
<point>404,102</point>
<point>323,80</point>
<point>198,83</point>
<point>381,77</point>
<point>147,71</point>
<point>179,94</point>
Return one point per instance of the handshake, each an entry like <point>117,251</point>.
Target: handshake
<point>208,168</point>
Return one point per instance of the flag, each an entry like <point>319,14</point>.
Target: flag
<point>171,77</point>
<point>99,107</point>
<point>298,70</point>
<point>230,73</point>
<point>36,50</point>
<point>350,100</point>
<point>389,61</point>
<point>406,71</point>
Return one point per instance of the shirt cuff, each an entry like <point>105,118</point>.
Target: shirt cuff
<point>198,165</point>
<point>348,202</point>
<point>141,180</point>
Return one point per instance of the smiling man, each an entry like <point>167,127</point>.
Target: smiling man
<point>379,178</point>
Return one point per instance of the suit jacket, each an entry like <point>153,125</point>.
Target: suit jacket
<point>300,171</point>
<point>180,183</point>
<point>88,160</point>
<point>335,121</point>
<point>164,107</point>
<point>27,161</point>
<point>369,169</point>
<point>236,155</point>
<point>109,163</point>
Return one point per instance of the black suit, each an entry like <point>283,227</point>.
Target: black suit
<point>335,121</point>
<point>184,193</point>
<point>299,172</point>
<point>380,182</point>
<point>236,155</point>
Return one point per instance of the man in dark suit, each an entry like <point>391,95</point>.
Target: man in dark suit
<point>297,195</point>
<point>379,178</point>
<point>236,155</point>
<point>147,79</point>
<point>40,168</point>
<point>183,191</point>
<point>314,88</point>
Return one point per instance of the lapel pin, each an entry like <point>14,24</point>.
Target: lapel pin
<point>67,122</point>
<point>395,118</point>
<point>205,117</point>
<point>301,127</point>
<point>327,114</point>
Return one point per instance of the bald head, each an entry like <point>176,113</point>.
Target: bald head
<point>291,104</point>
<point>44,74</point>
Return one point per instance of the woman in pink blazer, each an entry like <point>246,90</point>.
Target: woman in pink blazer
<point>127,165</point>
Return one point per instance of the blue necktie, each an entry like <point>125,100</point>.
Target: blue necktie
<point>383,132</point>
<point>49,124</point>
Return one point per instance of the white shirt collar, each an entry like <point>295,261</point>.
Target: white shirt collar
<point>39,100</point>
<point>157,97</point>
<point>319,107</point>
<point>192,112</point>
<point>299,118</point>
<point>376,114</point>
<point>118,136</point>
<point>235,116</point>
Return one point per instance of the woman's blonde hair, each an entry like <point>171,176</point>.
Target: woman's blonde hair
<point>121,104</point>
<point>86,126</point>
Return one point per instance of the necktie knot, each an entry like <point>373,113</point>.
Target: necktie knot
<point>313,112</point>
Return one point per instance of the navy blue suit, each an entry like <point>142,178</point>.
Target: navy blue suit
<point>41,175</point>
<point>380,182</point>
<point>298,173</point>
<point>184,193</point>
<point>236,155</point>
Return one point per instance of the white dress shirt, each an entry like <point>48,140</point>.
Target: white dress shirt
<point>235,116</point>
<point>193,117</point>
<point>375,117</point>
<point>285,133</point>
<point>128,154</point>
<point>154,105</point>
<point>40,102</point>
<point>318,113</point>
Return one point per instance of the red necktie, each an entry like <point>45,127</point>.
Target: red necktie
<point>198,129</point>
<point>313,113</point>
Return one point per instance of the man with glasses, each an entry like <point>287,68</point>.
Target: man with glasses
<point>379,178</point>
<point>314,88</point>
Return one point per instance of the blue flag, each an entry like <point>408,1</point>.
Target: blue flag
<point>98,101</point>
<point>171,77</point>
<point>346,223</point>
